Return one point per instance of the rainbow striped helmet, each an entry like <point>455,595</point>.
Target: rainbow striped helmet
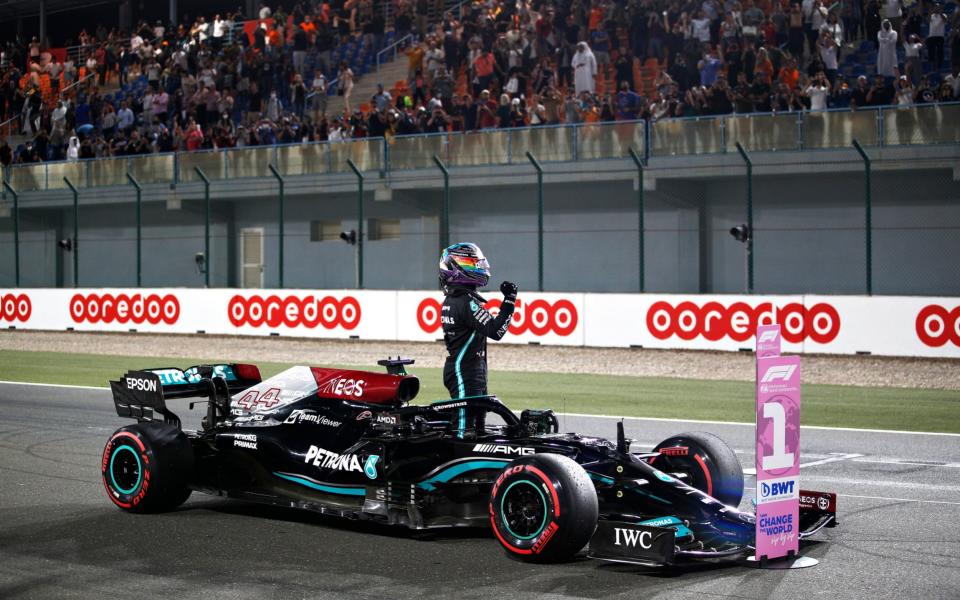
<point>464,264</point>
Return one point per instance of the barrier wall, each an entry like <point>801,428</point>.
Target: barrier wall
<point>883,325</point>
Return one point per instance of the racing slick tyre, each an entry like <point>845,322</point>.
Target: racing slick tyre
<point>710,464</point>
<point>146,467</point>
<point>543,508</point>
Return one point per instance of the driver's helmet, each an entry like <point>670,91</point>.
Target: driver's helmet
<point>464,264</point>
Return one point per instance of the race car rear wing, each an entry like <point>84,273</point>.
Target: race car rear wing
<point>141,394</point>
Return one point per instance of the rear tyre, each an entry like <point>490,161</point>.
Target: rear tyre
<point>710,464</point>
<point>543,508</point>
<point>146,467</point>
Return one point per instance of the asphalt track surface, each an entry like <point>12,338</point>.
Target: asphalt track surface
<point>60,537</point>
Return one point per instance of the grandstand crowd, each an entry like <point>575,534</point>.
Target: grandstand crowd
<point>222,82</point>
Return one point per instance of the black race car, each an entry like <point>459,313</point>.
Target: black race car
<point>349,443</point>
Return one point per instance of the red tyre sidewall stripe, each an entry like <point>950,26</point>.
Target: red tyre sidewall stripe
<point>553,491</point>
<point>556,513</point>
<point>506,544</point>
<point>110,447</point>
<point>706,472</point>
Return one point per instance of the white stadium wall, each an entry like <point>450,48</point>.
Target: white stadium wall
<point>881,325</point>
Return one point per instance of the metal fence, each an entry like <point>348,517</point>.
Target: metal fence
<point>887,126</point>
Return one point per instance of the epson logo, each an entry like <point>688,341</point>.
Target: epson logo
<point>500,449</point>
<point>781,372</point>
<point>632,538</point>
<point>143,385</point>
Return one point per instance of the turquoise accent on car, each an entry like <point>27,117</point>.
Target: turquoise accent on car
<point>648,494</point>
<point>330,489</point>
<point>543,500</point>
<point>601,478</point>
<point>452,471</point>
<point>662,476</point>
<point>370,467</point>
<point>139,469</point>
<point>670,523</point>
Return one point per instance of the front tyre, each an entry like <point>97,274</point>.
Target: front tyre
<point>543,508</point>
<point>710,464</point>
<point>146,467</point>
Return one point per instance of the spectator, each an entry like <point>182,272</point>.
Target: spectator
<point>887,54</point>
<point>817,92</point>
<point>937,26</point>
<point>585,69</point>
<point>345,84</point>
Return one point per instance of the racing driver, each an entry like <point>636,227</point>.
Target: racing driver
<point>466,324</point>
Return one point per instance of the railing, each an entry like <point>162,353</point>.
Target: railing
<point>392,47</point>
<point>75,84</point>
<point>888,126</point>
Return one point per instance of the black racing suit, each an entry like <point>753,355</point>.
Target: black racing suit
<point>466,327</point>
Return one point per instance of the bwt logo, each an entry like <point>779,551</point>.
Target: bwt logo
<point>291,311</point>
<point>107,308</point>
<point>781,372</point>
<point>936,325</point>
<point>539,317</point>
<point>714,321</point>
<point>775,490</point>
<point>15,307</point>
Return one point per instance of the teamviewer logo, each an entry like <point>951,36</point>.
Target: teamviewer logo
<point>781,372</point>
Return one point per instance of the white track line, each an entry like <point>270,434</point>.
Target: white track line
<point>614,417</point>
<point>832,459</point>
<point>742,424</point>
<point>907,462</point>
<point>888,498</point>
<point>54,385</point>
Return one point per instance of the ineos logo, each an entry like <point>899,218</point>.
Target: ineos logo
<point>292,311</point>
<point>714,321</point>
<point>539,317</point>
<point>107,308</point>
<point>15,307</point>
<point>936,325</point>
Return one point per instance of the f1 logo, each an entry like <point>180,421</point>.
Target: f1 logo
<point>769,335</point>
<point>782,372</point>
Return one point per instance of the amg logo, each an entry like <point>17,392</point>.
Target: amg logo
<point>631,537</point>
<point>331,460</point>
<point>782,372</point>
<point>144,385</point>
<point>499,449</point>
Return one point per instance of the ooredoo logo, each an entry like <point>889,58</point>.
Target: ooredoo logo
<point>539,317</point>
<point>292,311</point>
<point>15,307</point>
<point>936,325</point>
<point>714,321</point>
<point>107,308</point>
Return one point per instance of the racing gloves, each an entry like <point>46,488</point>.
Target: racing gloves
<point>509,290</point>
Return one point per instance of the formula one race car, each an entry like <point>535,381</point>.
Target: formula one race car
<point>349,443</point>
